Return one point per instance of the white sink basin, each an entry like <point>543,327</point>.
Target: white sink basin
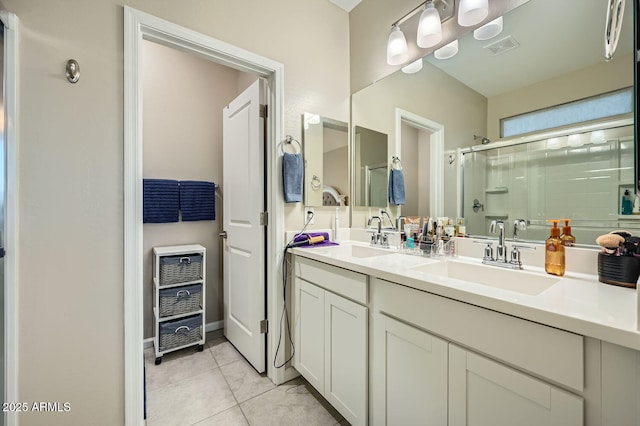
<point>513,280</point>
<point>364,251</point>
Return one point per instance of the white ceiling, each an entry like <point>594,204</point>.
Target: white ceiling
<point>347,5</point>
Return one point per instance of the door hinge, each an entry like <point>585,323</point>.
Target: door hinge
<point>263,111</point>
<point>264,218</point>
<point>264,326</point>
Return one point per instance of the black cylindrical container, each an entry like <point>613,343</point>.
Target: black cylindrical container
<point>618,270</point>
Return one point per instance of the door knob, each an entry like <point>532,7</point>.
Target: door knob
<point>223,234</point>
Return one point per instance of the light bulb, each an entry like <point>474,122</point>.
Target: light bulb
<point>397,50</point>
<point>430,27</point>
<point>597,136</point>
<point>447,51</point>
<point>413,67</point>
<point>489,30</point>
<point>574,140</point>
<point>472,12</point>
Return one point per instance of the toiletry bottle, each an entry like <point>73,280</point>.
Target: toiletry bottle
<point>627,203</point>
<point>554,252</point>
<point>336,225</point>
<point>568,240</point>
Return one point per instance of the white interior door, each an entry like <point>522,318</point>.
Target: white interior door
<point>243,203</point>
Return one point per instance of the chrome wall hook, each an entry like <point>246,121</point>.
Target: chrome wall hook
<point>72,71</point>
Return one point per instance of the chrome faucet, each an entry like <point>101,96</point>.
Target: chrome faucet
<point>500,258</point>
<point>518,224</point>
<point>501,250</point>
<point>378,238</point>
<point>384,212</point>
<point>379,222</point>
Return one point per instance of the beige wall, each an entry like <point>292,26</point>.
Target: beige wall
<point>183,97</point>
<point>70,285</point>
<point>600,78</point>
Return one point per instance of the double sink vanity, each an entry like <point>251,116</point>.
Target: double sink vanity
<point>391,338</point>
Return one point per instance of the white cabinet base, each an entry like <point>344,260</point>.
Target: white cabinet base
<point>484,392</point>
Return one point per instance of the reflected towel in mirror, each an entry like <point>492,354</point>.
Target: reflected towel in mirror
<point>396,187</point>
<point>292,177</point>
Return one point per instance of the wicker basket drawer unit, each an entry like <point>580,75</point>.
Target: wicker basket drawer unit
<point>180,300</point>
<point>180,332</point>
<point>180,268</point>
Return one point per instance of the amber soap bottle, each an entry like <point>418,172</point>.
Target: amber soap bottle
<point>568,240</point>
<point>554,252</point>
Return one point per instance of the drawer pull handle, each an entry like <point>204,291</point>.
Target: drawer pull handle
<point>182,329</point>
<point>183,293</point>
<point>185,260</point>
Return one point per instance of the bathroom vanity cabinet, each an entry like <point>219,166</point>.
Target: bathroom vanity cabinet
<point>415,357</point>
<point>330,322</point>
<point>460,384</point>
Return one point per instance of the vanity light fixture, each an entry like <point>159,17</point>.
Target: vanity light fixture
<point>397,50</point>
<point>489,30</point>
<point>430,27</point>
<point>413,67</point>
<point>429,34</point>
<point>472,12</point>
<point>447,51</point>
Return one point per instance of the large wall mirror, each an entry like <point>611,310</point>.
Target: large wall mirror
<point>326,157</point>
<point>549,53</point>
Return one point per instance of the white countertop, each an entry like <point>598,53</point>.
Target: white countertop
<point>576,303</point>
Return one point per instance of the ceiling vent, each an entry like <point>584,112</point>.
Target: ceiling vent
<point>502,45</point>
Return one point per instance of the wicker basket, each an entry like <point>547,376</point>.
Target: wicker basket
<point>180,300</point>
<point>618,270</point>
<point>179,269</point>
<point>184,331</point>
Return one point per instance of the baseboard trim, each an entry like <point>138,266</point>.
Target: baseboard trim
<point>212,326</point>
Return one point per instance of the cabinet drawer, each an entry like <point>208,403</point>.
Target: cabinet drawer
<point>545,351</point>
<point>352,285</point>
<point>179,300</point>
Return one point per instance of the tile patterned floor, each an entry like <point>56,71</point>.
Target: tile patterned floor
<point>218,387</point>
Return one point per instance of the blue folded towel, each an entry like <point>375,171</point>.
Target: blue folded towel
<point>197,200</point>
<point>292,171</point>
<point>160,200</point>
<point>396,187</point>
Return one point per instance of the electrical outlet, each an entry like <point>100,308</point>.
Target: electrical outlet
<point>308,211</point>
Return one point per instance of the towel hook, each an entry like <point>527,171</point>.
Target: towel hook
<point>396,164</point>
<point>315,183</point>
<point>289,139</point>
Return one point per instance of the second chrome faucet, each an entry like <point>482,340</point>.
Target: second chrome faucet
<point>500,258</point>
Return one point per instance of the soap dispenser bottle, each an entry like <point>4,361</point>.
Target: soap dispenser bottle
<point>568,240</point>
<point>554,252</point>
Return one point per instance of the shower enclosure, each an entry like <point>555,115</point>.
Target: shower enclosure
<point>579,175</point>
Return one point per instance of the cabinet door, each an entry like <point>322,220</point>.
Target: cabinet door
<point>411,386</point>
<point>346,357</point>
<point>309,346</point>
<point>485,392</point>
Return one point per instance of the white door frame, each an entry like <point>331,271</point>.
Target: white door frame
<point>10,22</point>
<point>436,155</point>
<point>138,26</point>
